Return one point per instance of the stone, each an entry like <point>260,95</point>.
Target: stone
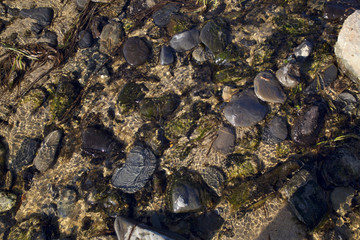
<point>214,36</point>
<point>25,154</point>
<point>225,140</point>
<point>208,223</point>
<point>85,39</point>
<point>309,204</point>
<point>308,125</point>
<point>129,229</point>
<point>289,75</point>
<point>66,201</point>
<point>185,41</point>
<point>139,167</point>
<point>268,89</point>
<point>159,108</point>
<point>245,110</point>
<point>333,11</point>
<point>341,168</point>
<point>214,178</point>
<point>347,47</point>
<point>162,16</point>
<point>7,201</point>
<point>47,153</point>
<point>136,52</point>
<point>110,38</point>
<point>341,198</point>
<point>96,142</point>
<point>199,54</point>
<point>153,135</point>
<point>303,51</point>
<point>43,15</point>
<point>49,38</point>
<point>130,95</point>
<point>166,55</point>
<point>184,198</point>
<point>81,4</point>
<point>323,80</point>
<point>276,131</point>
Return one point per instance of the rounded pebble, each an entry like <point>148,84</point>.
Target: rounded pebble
<point>136,52</point>
<point>268,89</point>
<point>225,140</point>
<point>289,75</point>
<point>185,41</point>
<point>166,55</point>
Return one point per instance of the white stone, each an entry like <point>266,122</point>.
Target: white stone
<point>347,47</point>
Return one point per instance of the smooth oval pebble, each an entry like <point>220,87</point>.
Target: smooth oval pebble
<point>96,141</point>
<point>45,157</point>
<point>276,131</point>
<point>245,110</point>
<point>184,198</point>
<point>136,52</point>
<point>139,166</point>
<point>289,75</point>
<point>166,55</point>
<point>185,41</point>
<point>225,140</point>
<point>85,39</point>
<point>268,89</point>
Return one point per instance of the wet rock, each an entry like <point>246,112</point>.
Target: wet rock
<point>323,80</point>
<point>289,75</point>
<point>136,52</point>
<point>199,54</point>
<point>245,110</point>
<point>154,136</point>
<point>139,167</point>
<point>128,229</point>
<point>303,51</point>
<point>81,4</point>
<point>207,224</point>
<point>159,108</point>
<point>162,16</point>
<point>214,36</point>
<point>184,198</point>
<point>268,89</point>
<point>276,131</point>
<point>341,168</point>
<point>85,39</point>
<point>34,228</point>
<point>49,38</point>
<point>347,102</point>
<point>347,47</point>
<point>185,41</point>
<point>43,15</point>
<point>178,23</point>
<point>233,74</point>
<point>7,201</point>
<point>308,125</point>
<point>65,203</point>
<point>309,204</point>
<point>96,142</point>
<point>341,199</point>
<point>25,154</point>
<point>225,140</point>
<point>214,179</point>
<point>47,153</point>
<point>110,37</point>
<point>333,11</point>
<point>166,55</point>
<point>130,95</point>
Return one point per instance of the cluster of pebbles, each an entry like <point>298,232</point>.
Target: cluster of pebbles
<point>120,177</point>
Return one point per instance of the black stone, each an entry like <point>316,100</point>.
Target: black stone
<point>96,141</point>
<point>276,131</point>
<point>162,17</point>
<point>25,154</point>
<point>166,55</point>
<point>214,36</point>
<point>85,39</point>
<point>225,140</point>
<point>136,52</point>
<point>43,15</point>
<point>207,224</point>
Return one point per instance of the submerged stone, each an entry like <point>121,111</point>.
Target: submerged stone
<point>139,167</point>
<point>184,198</point>
<point>7,201</point>
<point>130,95</point>
<point>185,41</point>
<point>289,75</point>
<point>245,110</point>
<point>47,152</point>
<point>268,89</point>
<point>159,108</point>
<point>162,17</point>
<point>110,38</point>
<point>225,140</point>
<point>67,199</point>
<point>166,55</point>
<point>276,131</point>
<point>323,80</point>
<point>136,52</point>
<point>214,178</point>
<point>25,154</point>
<point>96,141</point>
<point>85,39</point>
<point>214,37</point>
<point>43,15</point>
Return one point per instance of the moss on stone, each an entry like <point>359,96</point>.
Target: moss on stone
<point>178,23</point>
<point>234,74</point>
<point>129,96</point>
<point>239,197</point>
<point>180,126</point>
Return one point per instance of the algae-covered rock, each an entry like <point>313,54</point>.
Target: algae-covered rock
<point>178,23</point>
<point>214,35</point>
<point>159,108</point>
<point>234,74</point>
<point>130,95</point>
<point>7,201</point>
<point>34,228</point>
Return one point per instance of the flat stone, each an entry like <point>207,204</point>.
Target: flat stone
<point>162,16</point>
<point>47,152</point>
<point>7,201</point>
<point>25,154</point>
<point>136,52</point>
<point>110,37</point>
<point>214,37</point>
<point>347,47</point>
<point>276,131</point>
<point>185,41</point>
<point>139,167</point>
<point>289,75</point>
<point>199,54</point>
<point>166,55</point>
<point>43,15</point>
<point>245,110</point>
<point>214,178</point>
<point>268,89</point>
<point>225,140</point>
<point>185,198</point>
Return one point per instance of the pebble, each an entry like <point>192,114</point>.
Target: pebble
<point>96,141</point>
<point>85,39</point>
<point>136,52</point>
<point>65,203</point>
<point>185,41</point>
<point>303,51</point>
<point>333,11</point>
<point>129,229</point>
<point>245,110</point>
<point>199,54</point>
<point>225,140</point>
<point>309,204</point>
<point>130,95</point>
<point>46,155</point>
<point>81,4</point>
<point>276,131</point>
<point>139,167</point>
<point>159,108</point>
<point>289,75</point>
<point>323,80</point>
<point>214,178</point>
<point>50,38</point>
<point>185,198</point>
<point>162,16</point>
<point>166,55</point>
<point>25,154</point>
<point>308,125</point>
<point>43,15</point>
<point>214,37</point>
<point>110,37</point>
<point>208,223</point>
<point>268,89</point>
<point>7,201</point>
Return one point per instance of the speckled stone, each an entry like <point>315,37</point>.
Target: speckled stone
<point>185,41</point>
<point>268,89</point>
<point>110,37</point>
<point>25,154</point>
<point>136,52</point>
<point>276,131</point>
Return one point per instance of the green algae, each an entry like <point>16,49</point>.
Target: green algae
<point>129,96</point>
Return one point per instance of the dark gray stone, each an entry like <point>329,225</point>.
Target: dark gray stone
<point>159,108</point>
<point>110,38</point>
<point>208,223</point>
<point>268,89</point>
<point>323,80</point>
<point>65,203</point>
<point>25,154</point>
<point>85,39</point>
<point>244,109</point>
<point>309,204</point>
<point>47,152</point>
<point>96,141</point>
<point>139,167</point>
<point>289,75</point>
<point>136,52</point>
<point>166,55</point>
<point>214,37</point>
<point>225,140</point>
<point>162,17</point>
<point>43,15</point>
<point>50,38</point>
<point>276,131</point>
<point>185,198</point>
<point>214,178</point>
<point>185,41</point>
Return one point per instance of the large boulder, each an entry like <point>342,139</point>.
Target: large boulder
<point>347,47</point>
